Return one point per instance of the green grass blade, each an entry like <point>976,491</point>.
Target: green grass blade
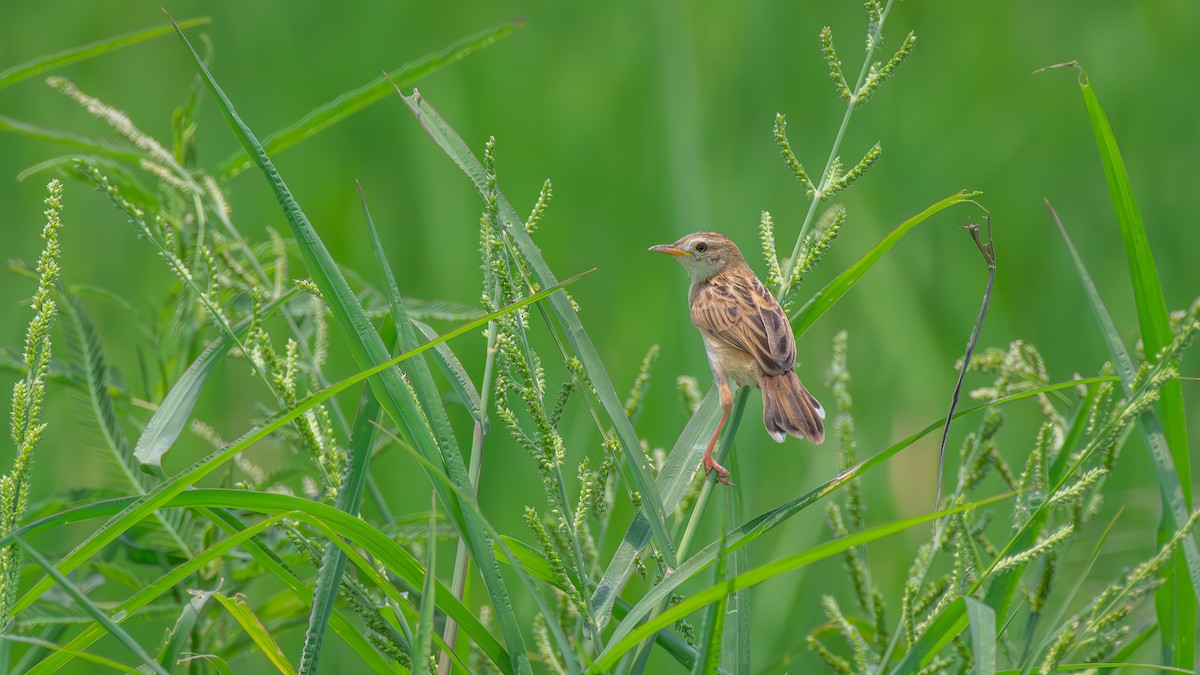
<point>632,462</point>
<point>828,296</point>
<point>249,622</point>
<point>59,59</point>
<point>98,614</point>
<point>763,523</point>
<point>148,594</point>
<point>333,560</point>
<point>626,636</point>
<point>1081,575</point>
<point>356,99</point>
<point>1176,609</point>
<point>454,371</point>
<point>85,143</point>
<point>177,638</point>
<point>712,642</point>
<point>367,349</point>
<point>944,628</point>
<point>425,631</point>
<point>175,410</point>
<point>86,341</point>
<point>735,650</point>
<point>673,482</point>
<point>135,511</point>
<point>90,658</point>
<point>983,635</point>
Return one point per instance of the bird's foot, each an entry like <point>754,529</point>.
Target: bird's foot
<point>711,465</point>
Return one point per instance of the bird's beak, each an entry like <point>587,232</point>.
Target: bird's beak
<point>670,249</point>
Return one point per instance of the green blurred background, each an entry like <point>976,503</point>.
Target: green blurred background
<point>654,120</point>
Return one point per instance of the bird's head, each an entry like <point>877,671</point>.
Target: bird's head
<point>703,254</point>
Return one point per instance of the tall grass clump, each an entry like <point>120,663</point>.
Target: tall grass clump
<point>239,563</point>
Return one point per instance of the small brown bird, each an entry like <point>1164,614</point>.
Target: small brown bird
<point>748,339</point>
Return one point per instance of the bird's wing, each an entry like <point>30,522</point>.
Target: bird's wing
<point>739,311</point>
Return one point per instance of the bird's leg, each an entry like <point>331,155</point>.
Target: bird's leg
<point>711,464</point>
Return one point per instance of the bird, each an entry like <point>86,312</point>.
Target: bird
<point>748,339</point>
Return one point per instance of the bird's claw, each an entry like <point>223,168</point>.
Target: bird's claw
<point>711,465</point>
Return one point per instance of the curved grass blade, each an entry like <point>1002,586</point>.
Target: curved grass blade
<point>983,635</point>
<point>828,296</point>
<point>394,395</point>
<point>356,99</point>
<point>632,462</point>
<point>134,511</point>
<point>1034,654</point>
<point>98,614</point>
<point>673,481</point>
<point>59,59</point>
<point>177,638</point>
<point>763,523</point>
<point>736,643</point>
<point>333,560</point>
<point>90,658</point>
<point>173,413</point>
<point>86,341</point>
<point>249,622</point>
<point>1176,609</point>
<point>454,371</point>
<point>626,637</point>
<point>85,143</point>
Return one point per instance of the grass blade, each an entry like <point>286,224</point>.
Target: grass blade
<point>90,658</point>
<point>1178,604</point>
<point>626,637</point>
<point>735,651</point>
<point>763,523</point>
<point>367,350</point>
<point>134,511</point>
<point>828,296</point>
<point>983,635</point>
<point>173,413</point>
<point>59,59</point>
<point>85,143</point>
<point>714,621</point>
<point>1176,609</point>
<point>86,341</point>
<point>101,617</point>
<point>257,631</point>
<point>177,639</point>
<point>356,99</point>
<point>425,632</point>
<point>333,560</point>
<point>632,462</point>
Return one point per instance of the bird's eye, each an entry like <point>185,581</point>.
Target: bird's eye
<point>701,247</point>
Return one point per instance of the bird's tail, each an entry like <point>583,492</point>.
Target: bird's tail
<point>788,408</point>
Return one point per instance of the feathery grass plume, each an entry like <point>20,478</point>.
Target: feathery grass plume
<point>1080,487</point>
<point>541,637</point>
<point>840,181</point>
<point>161,163</point>
<point>539,208</point>
<point>633,404</point>
<point>834,63</point>
<point>789,157</point>
<point>1033,481</point>
<point>766,233</point>
<point>836,663</point>
<point>1045,544</point>
<point>28,397</point>
<point>814,248</point>
<point>689,393</point>
<point>880,73</point>
<point>864,657</point>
